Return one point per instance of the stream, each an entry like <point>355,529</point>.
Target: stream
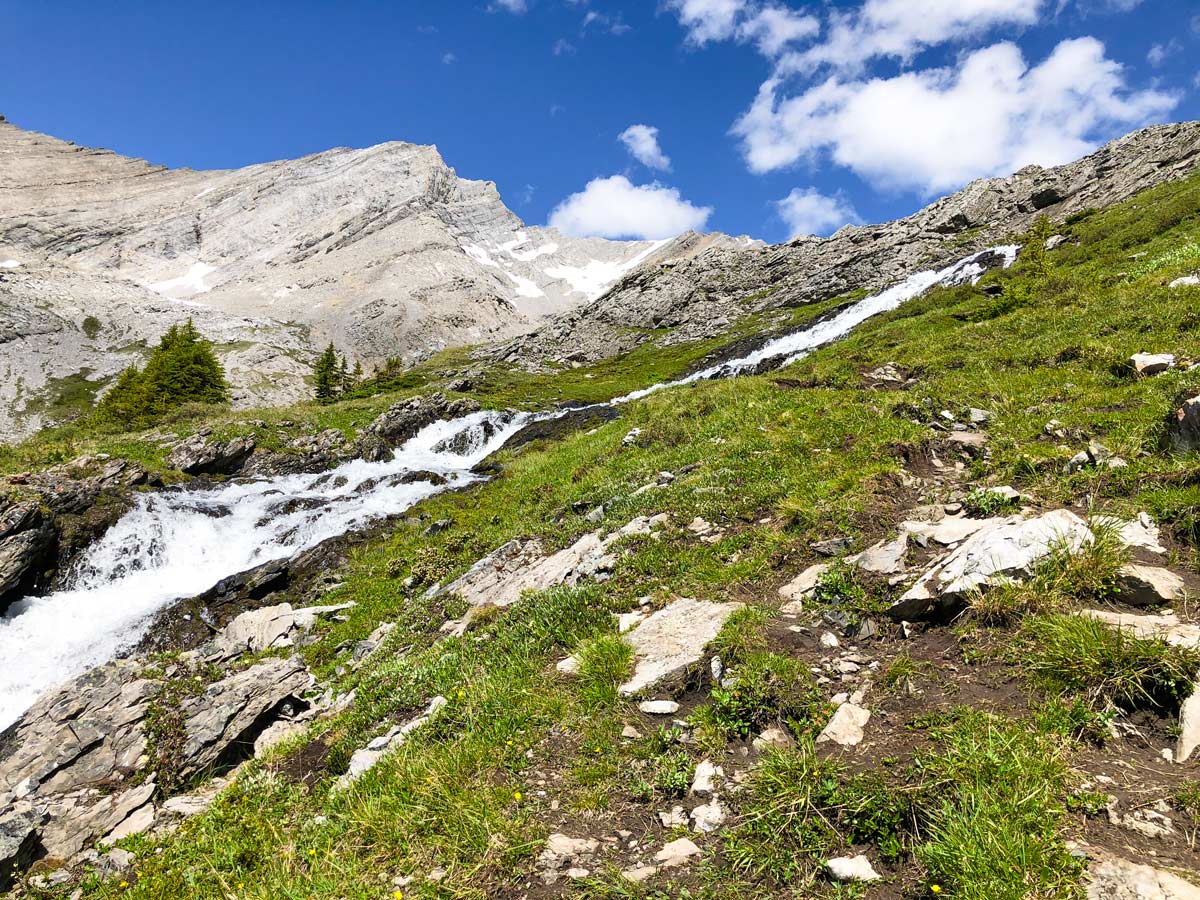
<point>178,544</point>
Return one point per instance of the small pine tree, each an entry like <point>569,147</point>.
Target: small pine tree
<point>182,369</point>
<point>325,376</point>
<point>1033,252</point>
<point>343,378</point>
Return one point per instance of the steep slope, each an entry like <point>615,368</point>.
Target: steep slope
<point>384,251</point>
<point>691,299</point>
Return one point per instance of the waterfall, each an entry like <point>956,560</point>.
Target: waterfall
<point>178,543</point>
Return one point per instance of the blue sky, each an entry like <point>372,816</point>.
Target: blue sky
<point>759,117</point>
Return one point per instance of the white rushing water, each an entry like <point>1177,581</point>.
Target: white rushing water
<point>176,544</point>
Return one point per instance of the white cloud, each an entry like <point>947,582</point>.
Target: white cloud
<point>612,24</point>
<point>936,129</point>
<point>774,27</point>
<point>642,143</point>
<point>808,211</point>
<point>901,28</point>
<point>517,7</point>
<point>449,59</point>
<point>708,20</point>
<point>1159,53</point>
<point>614,207</point>
<point>563,47</point>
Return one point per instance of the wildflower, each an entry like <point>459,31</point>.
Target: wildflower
<point>398,895</point>
<point>461,695</point>
<point>312,852</point>
<point>124,884</point>
<point>517,795</point>
<point>935,888</point>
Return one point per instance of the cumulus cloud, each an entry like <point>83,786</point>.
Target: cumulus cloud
<point>642,143</point>
<point>616,208</point>
<point>773,28</point>
<point>808,211</point>
<point>938,128</point>
<point>449,59</point>
<point>513,6</point>
<point>900,29</point>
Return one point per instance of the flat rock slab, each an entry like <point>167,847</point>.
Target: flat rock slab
<point>672,640</point>
<point>269,627</point>
<point>1189,727</point>
<point>1113,878</point>
<point>1149,586</point>
<point>1165,628</point>
<point>852,868</point>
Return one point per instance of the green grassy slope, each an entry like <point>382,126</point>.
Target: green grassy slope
<point>973,804</point>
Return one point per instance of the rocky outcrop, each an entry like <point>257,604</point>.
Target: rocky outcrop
<point>201,454</point>
<point>87,761</point>
<point>1112,878</point>
<point>403,420</point>
<point>48,518</point>
<point>672,641</point>
<point>700,297</point>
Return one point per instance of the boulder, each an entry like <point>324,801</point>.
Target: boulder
<point>885,558</point>
<point>708,817</point>
<point>1185,281</point>
<point>18,840</point>
<point>1149,586</point>
<point>1003,548</point>
<point>269,627</point>
<point>1189,727</point>
<point>201,454</point>
<point>1164,628</point>
<point>1183,426</point>
<point>1113,878</point>
<point>24,551</point>
<point>802,586</point>
<point>672,640</point>
<point>1147,364</point>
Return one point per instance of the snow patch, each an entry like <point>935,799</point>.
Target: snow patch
<point>9,264</point>
<point>480,255</point>
<point>185,285</point>
<point>204,193</point>
<point>596,277</point>
<point>525,287</point>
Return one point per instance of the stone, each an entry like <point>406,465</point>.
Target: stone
<point>1110,877</point>
<point>846,727</point>
<point>706,778</point>
<point>1004,548</point>
<point>1139,533</point>
<point>18,840</point>
<point>659,707</point>
<point>852,868</point>
<point>404,420</point>
<point>773,736</point>
<point>829,641</point>
<point>639,874</point>
<point>948,532</point>
<point>832,546</point>
<point>269,627</point>
<point>677,853</point>
<point>565,852</point>
<point>1147,364</point>
<point>202,455</point>
<point>672,640</point>
<point>365,759</point>
<point>885,558</point>
<point>675,818</point>
<point>971,442</point>
<point>1149,586</point>
<point>1189,727</point>
<point>1185,281</point>
<point>1165,627</point>
<point>802,586</point>
<point>1183,426</point>
<point>709,817</point>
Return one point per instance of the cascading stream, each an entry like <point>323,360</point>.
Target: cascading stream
<point>177,544</point>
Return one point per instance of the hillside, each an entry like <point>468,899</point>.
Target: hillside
<point>384,251</point>
<point>901,608</point>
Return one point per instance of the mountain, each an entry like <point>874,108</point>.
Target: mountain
<point>684,300</point>
<point>384,251</point>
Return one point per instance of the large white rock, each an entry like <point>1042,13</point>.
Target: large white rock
<point>801,587</point>
<point>677,853</point>
<point>1149,586</point>
<point>269,627</point>
<point>1113,878</point>
<point>884,558</point>
<point>1147,364</point>
<point>672,640</point>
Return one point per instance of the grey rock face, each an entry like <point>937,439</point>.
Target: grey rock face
<point>385,251</point>
<point>403,420</point>
<point>201,455</point>
<point>698,296</point>
<point>1183,425</point>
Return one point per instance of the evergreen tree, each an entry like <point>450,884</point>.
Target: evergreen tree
<point>343,375</point>
<point>325,374</point>
<point>182,369</point>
